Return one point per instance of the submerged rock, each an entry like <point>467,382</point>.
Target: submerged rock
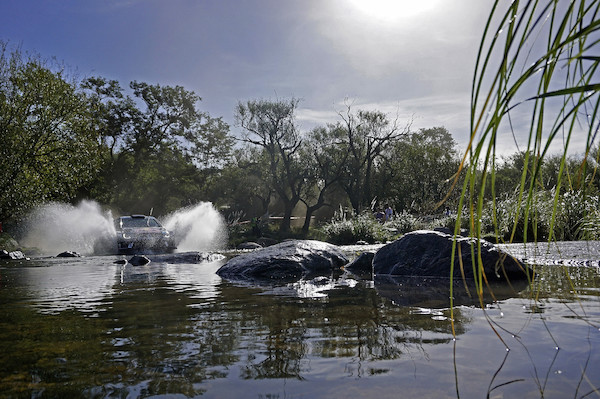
<point>287,261</point>
<point>428,254</point>
<point>249,245</point>
<point>68,254</point>
<point>362,265</point>
<point>434,292</point>
<point>139,260</point>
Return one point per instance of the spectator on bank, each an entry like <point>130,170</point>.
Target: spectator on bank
<point>388,213</point>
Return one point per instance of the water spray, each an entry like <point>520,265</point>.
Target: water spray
<point>56,227</point>
<point>87,229</point>
<point>197,228</point>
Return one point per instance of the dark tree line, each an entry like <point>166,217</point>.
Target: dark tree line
<point>365,158</point>
<point>160,154</point>
<point>152,147</point>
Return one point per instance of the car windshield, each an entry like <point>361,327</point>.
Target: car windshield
<point>137,222</point>
<point>134,222</point>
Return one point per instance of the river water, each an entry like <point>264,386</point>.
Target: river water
<point>89,327</point>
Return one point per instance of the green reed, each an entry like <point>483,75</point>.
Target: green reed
<point>537,62</point>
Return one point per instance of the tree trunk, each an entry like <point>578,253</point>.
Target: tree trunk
<point>284,227</point>
<point>307,217</point>
<point>289,206</point>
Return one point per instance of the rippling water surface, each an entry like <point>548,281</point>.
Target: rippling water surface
<point>88,327</point>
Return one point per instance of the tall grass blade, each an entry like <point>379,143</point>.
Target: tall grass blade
<point>537,61</point>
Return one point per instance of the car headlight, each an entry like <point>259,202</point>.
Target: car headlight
<point>126,236</point>
<point>166,234</point>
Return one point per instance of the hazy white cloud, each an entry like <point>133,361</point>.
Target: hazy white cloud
<point>417,65</point>
<point>451,112</point>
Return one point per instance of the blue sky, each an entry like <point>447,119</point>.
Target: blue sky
<point>412,58</point>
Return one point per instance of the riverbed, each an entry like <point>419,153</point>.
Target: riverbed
<point>90,327</point>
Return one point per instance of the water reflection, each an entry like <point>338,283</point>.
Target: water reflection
<point>64,287</point>
<point>435,292</point>
<point>171,327</point>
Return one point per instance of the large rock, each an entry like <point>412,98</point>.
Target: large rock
<point>287,261</point>
<point>428,254</point>
<point>8,244</point>
<point>13,255</point>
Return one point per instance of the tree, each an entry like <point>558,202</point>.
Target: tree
<point>245,181</point>
<point>163,155</point>
<point>367,135</point>
<point>113,116</point>
<point>325,159</point>
<point>418,169</point>
<point>48,146</point>
<point>271,126</point>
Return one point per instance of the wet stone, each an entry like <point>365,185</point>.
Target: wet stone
<point>68,254</point>
<point>139,260</point>
<point>429,253</point>
<point>288,261</point>
<point>362,265</point>
<point>13,255</point>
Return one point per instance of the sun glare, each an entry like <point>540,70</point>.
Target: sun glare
<point>391,10</point>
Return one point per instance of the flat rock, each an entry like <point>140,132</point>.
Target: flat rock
<point>187,257</point>
<point>286,261</point>
<point>428,253</point>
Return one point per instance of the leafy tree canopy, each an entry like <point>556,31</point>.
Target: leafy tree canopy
<point>48,144</point>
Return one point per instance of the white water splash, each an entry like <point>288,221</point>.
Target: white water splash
<point>197,228</point>
<point>87,229</point>
<point>56,227</point>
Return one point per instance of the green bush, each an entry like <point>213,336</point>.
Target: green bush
<point>404,222</point>
<point>510,215</point>
<point>349,230</point>
<point>576,217</point>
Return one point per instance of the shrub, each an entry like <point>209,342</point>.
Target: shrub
<point>404,223</point>
<point>575,216</point>
<point>349,230</point>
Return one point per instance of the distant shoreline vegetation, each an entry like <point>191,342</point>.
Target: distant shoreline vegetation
<point>151,147</point>
<point>576,218</point>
